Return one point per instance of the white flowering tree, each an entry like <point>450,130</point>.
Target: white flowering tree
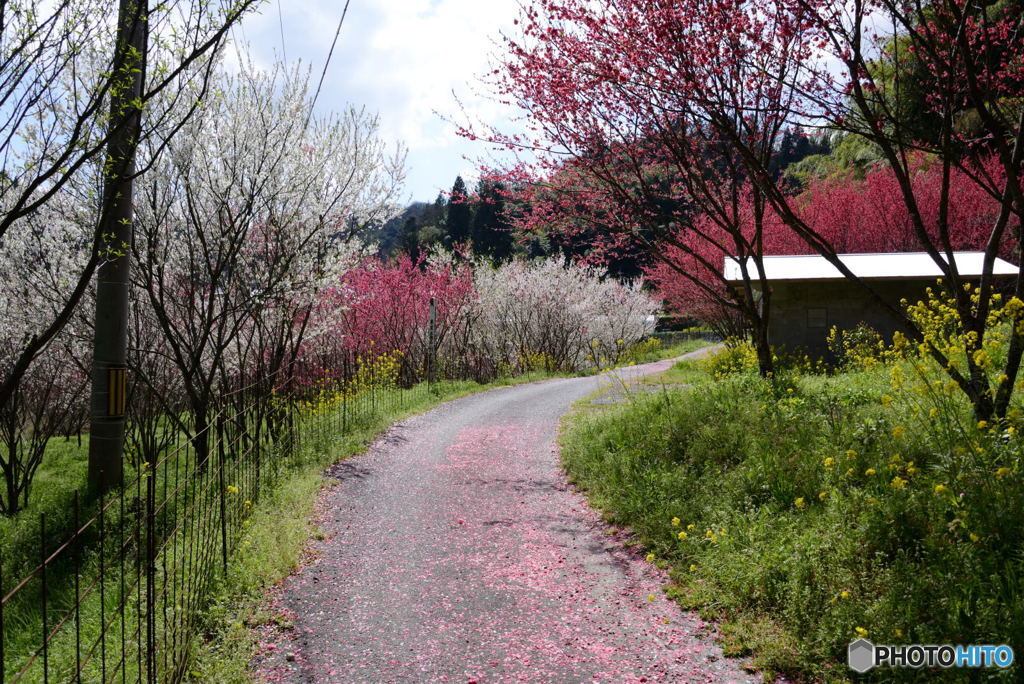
<point>555,314</point>
<point>244,220</point>
<point>62,72</point>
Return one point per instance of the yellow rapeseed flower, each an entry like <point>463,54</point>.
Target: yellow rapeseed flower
<point>676,522</point>
<point>982,424</point>
<point>650,558</point>
<point>651,597</point>
<point>691,527</point>
<point>870,471</point>
<point>822,495</point>
<point>682,535</point>
<point>844,594</point>
<point>829,462</point>
<point>693,567</point>
<point>941,488</point>
<point>898,431</point>
<point>232,489</point>
<point>861,632</point>
<point>898,482</point>
<point>800,503</point>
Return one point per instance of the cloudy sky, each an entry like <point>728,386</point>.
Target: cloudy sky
<point>402,59</point>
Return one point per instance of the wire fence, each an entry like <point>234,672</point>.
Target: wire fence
<point>115,592</point>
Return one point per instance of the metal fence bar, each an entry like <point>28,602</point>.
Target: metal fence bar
<point>118,596</point>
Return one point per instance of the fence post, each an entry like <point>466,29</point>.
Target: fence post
<point>75,552</point>
<point>432,342</point>
<point>223,495</point>
<point>151,546</point>
<point>3,660</point>
<point>42,579</point>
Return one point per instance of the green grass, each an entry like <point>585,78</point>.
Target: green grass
<point>323,443</point>
<point>274,542</point>
<point>652,350</point>
<point>276,533</point>
<point>793,552</point>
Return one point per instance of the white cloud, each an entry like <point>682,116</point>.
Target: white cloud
<point>402,58</point>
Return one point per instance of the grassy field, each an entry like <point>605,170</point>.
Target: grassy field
<point>274,543</point>
<point>806,511</point>
<point>276,530</point>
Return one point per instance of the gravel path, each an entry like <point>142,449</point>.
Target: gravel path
<point>456,551</point>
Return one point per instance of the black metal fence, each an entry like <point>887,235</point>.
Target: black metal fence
<point>114,591</point>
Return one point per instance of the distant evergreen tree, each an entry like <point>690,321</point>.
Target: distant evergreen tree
<point>796,145</point>
<point>458,222</point>
<point>492,234</point>
<point>434,214</point>
<point>409,238</point>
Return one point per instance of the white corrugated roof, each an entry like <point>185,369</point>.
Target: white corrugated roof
<point>892,266</point>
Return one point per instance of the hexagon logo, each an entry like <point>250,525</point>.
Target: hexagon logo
<point>860,655</point>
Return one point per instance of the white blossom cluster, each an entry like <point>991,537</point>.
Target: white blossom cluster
<point>557,315</point>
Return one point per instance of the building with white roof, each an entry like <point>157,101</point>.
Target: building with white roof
<point>810,295</point>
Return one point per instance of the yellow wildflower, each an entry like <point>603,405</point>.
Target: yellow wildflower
<point>232,489</point>
<point>844,594</point>
<point>693,567</point>
<point>898,482</point>
<point>676,522</point>
<point>982,424</point>
<point>651,597</point>
<point>870,471</point>
<point>650,558</point>
<point>829,462</point>
<point>1003,472</point>
<point>682,535</point>
<point>974,537</point>
<point>941,488</point>
<point>822,495</point>
<point>898,431</point>
<point>861,632</point>
<point>800,503</point>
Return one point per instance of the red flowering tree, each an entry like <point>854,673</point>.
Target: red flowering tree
<point>625,87</point>
<point>611,86</point>
<point>385,307</point>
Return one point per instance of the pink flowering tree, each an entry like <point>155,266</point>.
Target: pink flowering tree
<point>385,307</point>
<point>620,85</point>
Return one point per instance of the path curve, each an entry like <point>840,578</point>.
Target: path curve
<point>456,551</point>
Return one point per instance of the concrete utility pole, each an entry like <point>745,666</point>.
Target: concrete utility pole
<point>110,342</point>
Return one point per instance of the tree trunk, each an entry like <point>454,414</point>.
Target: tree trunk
<point>110,342</point>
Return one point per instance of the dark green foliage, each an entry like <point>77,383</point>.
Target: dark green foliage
<point>458,222</point>
<point>492,234</point>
